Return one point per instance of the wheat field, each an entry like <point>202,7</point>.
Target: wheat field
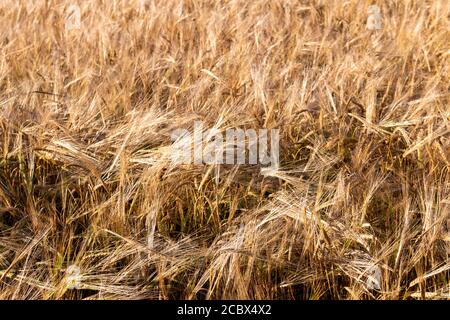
<point>93,207</point>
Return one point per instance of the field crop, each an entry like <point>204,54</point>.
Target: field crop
<point>93,205</point>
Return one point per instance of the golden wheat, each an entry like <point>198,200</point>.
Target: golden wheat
<point>92,207</point>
